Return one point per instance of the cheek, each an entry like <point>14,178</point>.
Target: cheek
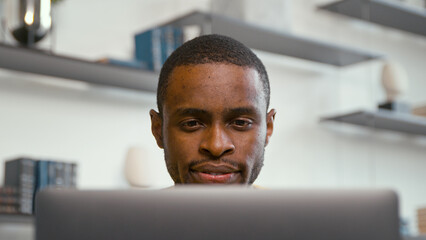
<point>180,147</point>
<point>251,146</point>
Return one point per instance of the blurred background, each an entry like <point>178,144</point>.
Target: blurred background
<point>103,129</point>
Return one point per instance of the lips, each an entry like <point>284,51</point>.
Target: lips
<point>214,173</point>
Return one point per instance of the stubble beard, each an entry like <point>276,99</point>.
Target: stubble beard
<point>174,171</point>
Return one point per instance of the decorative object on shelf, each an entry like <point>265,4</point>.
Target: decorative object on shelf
<point>29,21</point>
<point>394,114</point>
<point>395,83</point>
<point>139,167</point>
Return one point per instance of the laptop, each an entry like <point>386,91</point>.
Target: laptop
<point>217,213</point>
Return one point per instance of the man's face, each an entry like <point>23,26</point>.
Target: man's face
<point>214,125</point>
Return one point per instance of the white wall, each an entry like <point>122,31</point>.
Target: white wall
<point>94,125</point>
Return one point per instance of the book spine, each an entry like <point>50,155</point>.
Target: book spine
<point>9,200</point>
<point>143,48</point>
<point>8,190</point>
<point>168,43</point>
<point>11,174</point>
<point>178,38</point>
<point>156,44</point>
<point>27,185</point>
<point>74,175</point>
<point>9,209</point>
<point>43,174</point>
<point>42,177</point>
<point>59,169</point>
<point>19,173</point>
<point>51,173</point>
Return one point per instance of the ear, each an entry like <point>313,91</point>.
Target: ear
<point>270,117</point>
<point>156,127</point>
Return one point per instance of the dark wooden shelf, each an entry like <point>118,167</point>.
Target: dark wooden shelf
<point>39,62</point>
<point>386,13</point>
<point>273,41</point>
<point>384,120</point>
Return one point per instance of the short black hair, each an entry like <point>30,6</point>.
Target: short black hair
<point>211,48</point>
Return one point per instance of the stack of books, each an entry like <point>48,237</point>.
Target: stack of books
<point>9,201</point>
<point>28,176</point>
<point>154,46</point>
<point>421,220</point>
<point>20,174</point>
<point>55,174</point>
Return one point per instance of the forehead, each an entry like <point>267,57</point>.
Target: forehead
<point>214,86</point>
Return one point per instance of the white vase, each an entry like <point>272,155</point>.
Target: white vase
<point>140,168</point>
<point>394,80</point>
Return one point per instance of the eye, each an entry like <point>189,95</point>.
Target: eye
<point>242,124</point>
<point>191,125</point>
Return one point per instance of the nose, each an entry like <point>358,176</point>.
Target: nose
<point>216,142</point>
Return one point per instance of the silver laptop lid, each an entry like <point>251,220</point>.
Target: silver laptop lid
<point>217,213</point>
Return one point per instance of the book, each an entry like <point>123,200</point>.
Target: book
<point>20,174</point>
<point>24,177</point>
<point>42,175</point>
<point>9,209</point>
<point>154,46</point>
<point>8,191</point>
<point>56,174</point>
<point>9,200</point>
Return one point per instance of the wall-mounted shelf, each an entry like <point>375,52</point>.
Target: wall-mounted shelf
<point>273,41</point>
<point>45,63</point>
<point>384,120</point>
<point>35,61</point>
<point>16,218</point>
<point>382,12</point>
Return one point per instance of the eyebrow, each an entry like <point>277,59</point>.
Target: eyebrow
<point>190,111</point>
<point>228,111</point>
<point>241,111</point>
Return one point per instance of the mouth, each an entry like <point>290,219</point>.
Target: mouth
<point>214,173</point>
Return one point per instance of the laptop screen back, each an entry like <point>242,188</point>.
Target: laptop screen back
<point>217,213</point>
